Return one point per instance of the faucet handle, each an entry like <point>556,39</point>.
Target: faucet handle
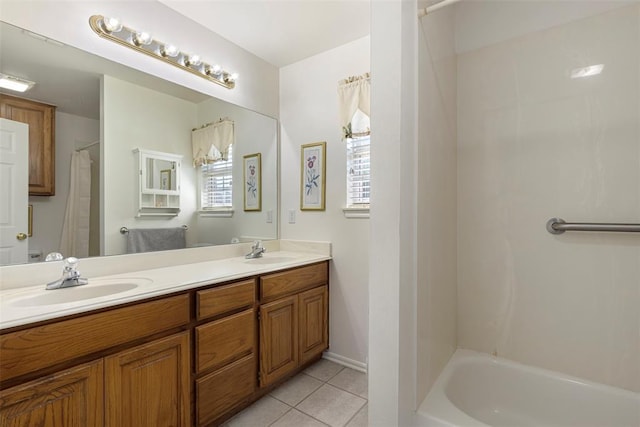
<point>70,265</point>
<point>257,244</point>
<point>71,262</point>
<point>54,256</point>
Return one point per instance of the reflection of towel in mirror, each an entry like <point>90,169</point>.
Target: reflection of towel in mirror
<point>155,239</point>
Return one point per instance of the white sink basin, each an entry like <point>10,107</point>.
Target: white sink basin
<point>95,289</point>
<point>270,260</point>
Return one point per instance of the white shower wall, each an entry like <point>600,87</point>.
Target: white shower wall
<point>436,228</point>
<point>533,144</point>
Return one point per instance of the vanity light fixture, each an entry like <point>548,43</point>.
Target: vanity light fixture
<point>140,41</point>
<point>15,83</point>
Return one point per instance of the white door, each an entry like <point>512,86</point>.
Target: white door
<point>14,191</point>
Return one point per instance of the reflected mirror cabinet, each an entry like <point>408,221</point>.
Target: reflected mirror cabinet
<point>159,183</point>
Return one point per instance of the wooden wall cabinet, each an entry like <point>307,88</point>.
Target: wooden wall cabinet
<point>293,328</point>
<point>41,120</point>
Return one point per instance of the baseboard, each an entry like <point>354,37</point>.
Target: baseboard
<point>345,361</point>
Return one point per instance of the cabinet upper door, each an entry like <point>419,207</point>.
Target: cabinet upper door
<point>149,385</point>
<point>70,398</point>
<point>41,120</point>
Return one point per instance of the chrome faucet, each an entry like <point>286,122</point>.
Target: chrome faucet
<point>256,250</point>
<point>70,276</point>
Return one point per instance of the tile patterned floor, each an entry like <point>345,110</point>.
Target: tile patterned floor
<point>326,394</point>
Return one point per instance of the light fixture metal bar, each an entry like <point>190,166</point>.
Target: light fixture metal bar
<point>224,76</point>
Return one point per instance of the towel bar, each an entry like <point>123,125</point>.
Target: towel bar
<point>125,230</point>
<point>559,226</point>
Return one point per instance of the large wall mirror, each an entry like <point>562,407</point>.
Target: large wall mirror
<point>110,110</point>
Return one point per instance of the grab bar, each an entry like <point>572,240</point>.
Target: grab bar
<point>559,226</point>
<point>125,230</point>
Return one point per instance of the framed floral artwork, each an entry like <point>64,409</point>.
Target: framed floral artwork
<point>253,182</point>
<point>312,180</point>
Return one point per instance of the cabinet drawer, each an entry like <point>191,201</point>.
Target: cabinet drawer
<point>224,340</point>
<point>289,282</point>
<point>223,299</point>
<point>225,388</point>
<point>36,348</point>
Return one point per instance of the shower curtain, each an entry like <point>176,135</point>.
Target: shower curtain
<point>75,229</point>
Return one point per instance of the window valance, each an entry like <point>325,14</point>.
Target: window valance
<point>211,142</point>
<point>354,93</point>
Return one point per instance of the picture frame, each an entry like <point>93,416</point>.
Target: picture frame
<point>313,176</point>
<point>252,182</point>
<point>165,179</point>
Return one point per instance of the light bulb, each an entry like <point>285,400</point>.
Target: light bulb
<point>142,38</point>
<point>215,70</point>
<point>192,60</point>
<point>111,25</point>
<point>233,77</point>
<point>169,50</point>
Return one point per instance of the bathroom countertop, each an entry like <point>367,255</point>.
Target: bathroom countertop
<point>17,306</point>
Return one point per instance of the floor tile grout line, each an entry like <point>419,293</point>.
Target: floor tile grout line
<point>356,414</point>
<point>346,391</point>
<point>320,379</point>
<point>281,416</point>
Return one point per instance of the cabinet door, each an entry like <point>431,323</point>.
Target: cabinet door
<point>41,121</point>
<point>278,339</point>
<point>149,385</point>
<point>71,398</point>
<point>313,322</point>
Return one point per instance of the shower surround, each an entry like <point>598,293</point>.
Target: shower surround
<point>535,143</point>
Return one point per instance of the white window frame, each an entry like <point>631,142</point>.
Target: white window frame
<point>224,170</point>
<point>356,207</point>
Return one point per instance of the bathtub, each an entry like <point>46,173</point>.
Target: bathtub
<point>476,389</point>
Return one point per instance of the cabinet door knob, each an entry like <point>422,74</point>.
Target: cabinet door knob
<point>21,236</point>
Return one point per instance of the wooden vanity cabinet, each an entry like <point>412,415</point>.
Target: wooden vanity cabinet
<point>41,120</point>
<point>294,326</point>
<point>225,350</point>
<point>193,358</point>
<point>140,368</point>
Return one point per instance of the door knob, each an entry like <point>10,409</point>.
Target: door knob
<point>21,236</point>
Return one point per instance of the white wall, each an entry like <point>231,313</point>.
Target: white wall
<point>136,117</point>
<point>48,212</point>
<point>535,144</point>
<point>393,254</point>
<point>309,113</point>
<point>437,208</point>
<point>67,21</point>
<point>255,133</point>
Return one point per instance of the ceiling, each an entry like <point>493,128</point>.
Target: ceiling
<point>280,31</point>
